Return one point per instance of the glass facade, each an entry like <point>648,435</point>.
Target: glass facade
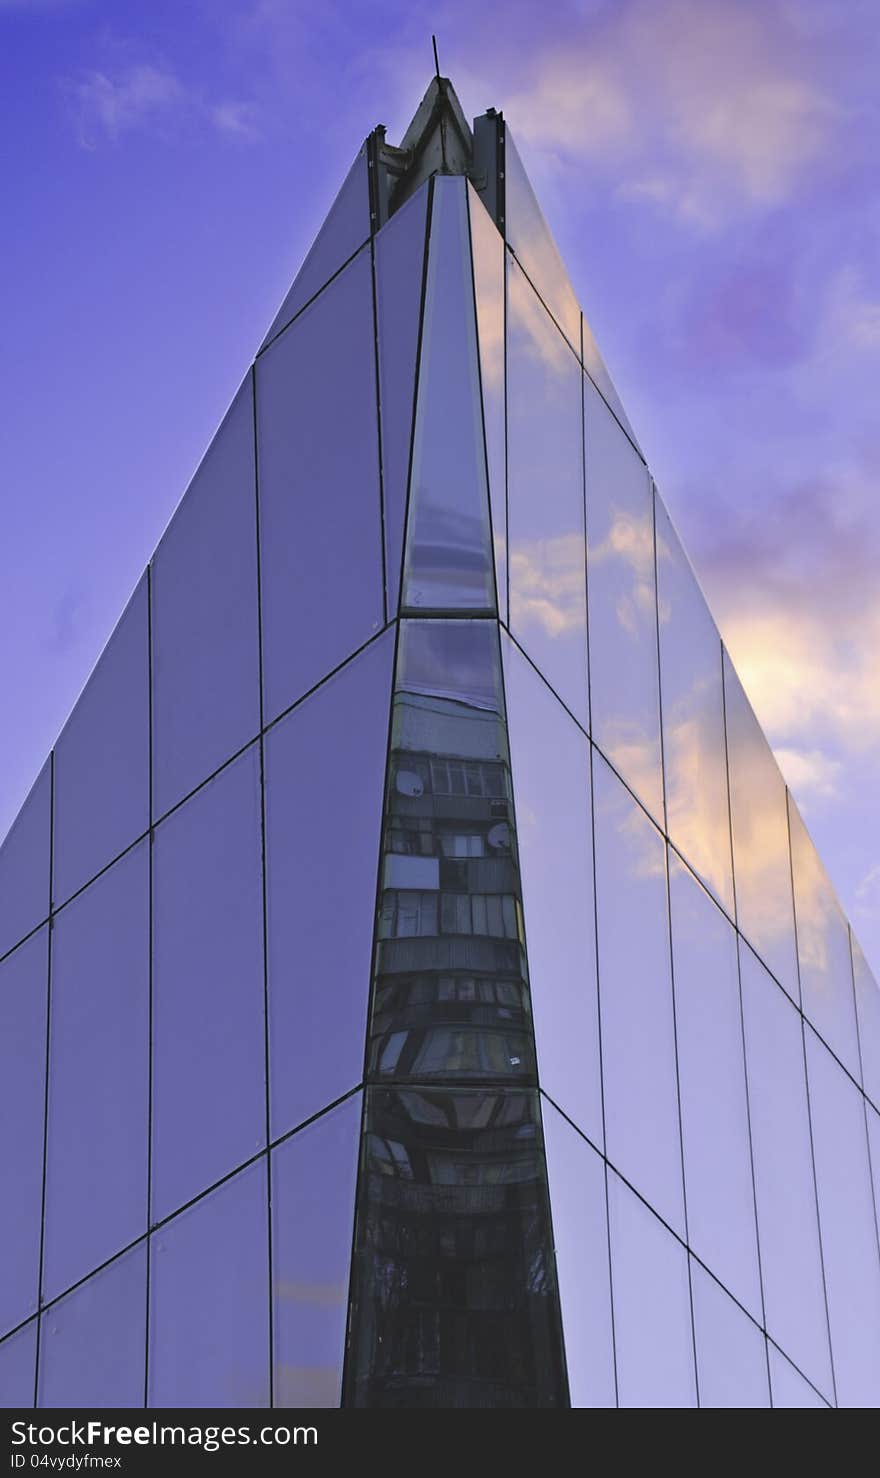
<point>417,987</point>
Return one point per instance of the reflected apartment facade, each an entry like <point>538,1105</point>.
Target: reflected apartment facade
<point>417,986</point>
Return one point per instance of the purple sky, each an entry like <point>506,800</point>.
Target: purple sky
<point>709,168</point>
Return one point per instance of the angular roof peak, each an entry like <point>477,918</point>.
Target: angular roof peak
<point>438,141</point>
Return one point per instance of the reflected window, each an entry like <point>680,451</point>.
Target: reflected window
<point>451,995</point>
<point>455,1301</point>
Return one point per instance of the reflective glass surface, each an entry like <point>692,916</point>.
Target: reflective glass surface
<point>102,758</point>
<point>576,1178</point>
<point>209,1299</point>
<point>346,226</point>
<point>624,683</point>
<point>849,1233</point>
<point>209,1104</point>
<point>874,1145</point>
<point>96,1166</point>
<point>451,994</point>
<point>18,1356</point>
<point>731,1350</point>
<point>551,778</point>
<point>787,1222</point>
<point>206,678</point>
<point>325,772</point>
<point>695,759</point>
<point>868,1004</point>
<point>400,266</point>
<point>92,1348</point>
<point>454,1296</point>
<point>548,594</point>
<point>23,984</point>
<point>823,949</point>
<point>313,1191</point>
<point>788,1385</point>
<point>652,1309</point>
<point>449,562</point>
<point>24,865</point>
<point>529,235</point>
<point>635,993</point>
<point>488,253</point>
<point>712,1084</point>
<point>320,522</point>
<point>762,868</point>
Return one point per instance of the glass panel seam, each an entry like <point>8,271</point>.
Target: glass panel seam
<point>264,910</point>
<point>479,358</point>
<point>379,446</point>
<point>299,312</point>
<point>610,1166</point>
<point>39,1288</point>
<point>429,212</point>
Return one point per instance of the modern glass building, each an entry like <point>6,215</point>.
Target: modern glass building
<point>417,986</point>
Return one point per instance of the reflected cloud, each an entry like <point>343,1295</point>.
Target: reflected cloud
<point>547,584</point>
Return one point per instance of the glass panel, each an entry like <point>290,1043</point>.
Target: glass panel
<point>346,226</point>
<point>96,1166</point>
<point>325,771</point>
<point>576,1177</point>
<point>874,1148</point>
<point>24,865</point>
<point>209,1095</point>
<point>451,994</point>
<point>548,594</point>
<point>551,774</point>
<point>18,1355</point>
<point>624,681</point>
<point>635,992</point>
<point>849,1232</point>
<point>697,808</point>
<point>488,253</point>
<point>787,1225</point>
<point>652,1309</point>
<point>320,534</point>
<point>454,1301</point>
<point>23,983</point>
<point>92,1351</point>
<point>206,678</point>
<point>400,268</point>
<point>868,1003</point>
<point>823,949</point>
<point>209,1299</point>
<point>762,868</point>
<point>712,1084</point>
<point>448,541</point>
<point>731,1350</point>
<point>529,235</point>
<point>789,1387</point>
<point>102,759</point>
<point>314,1177</point>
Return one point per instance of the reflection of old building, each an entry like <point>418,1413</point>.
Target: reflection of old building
<point>454,1286</point>
<point>417,986</point>
<point>451,993</point>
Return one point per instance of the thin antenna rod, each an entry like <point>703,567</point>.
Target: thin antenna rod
<point>436,59</point>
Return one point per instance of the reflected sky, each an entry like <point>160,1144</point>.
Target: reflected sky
<point>548,603</point>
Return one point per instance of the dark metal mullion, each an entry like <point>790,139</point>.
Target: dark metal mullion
<point>49,928</point>
<point>264,893</point>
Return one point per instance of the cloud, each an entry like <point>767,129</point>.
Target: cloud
<point>809,772</point>
<point>148,99</point>
<point>736,118</point>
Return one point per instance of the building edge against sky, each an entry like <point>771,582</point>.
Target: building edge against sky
<point>417,984</point>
